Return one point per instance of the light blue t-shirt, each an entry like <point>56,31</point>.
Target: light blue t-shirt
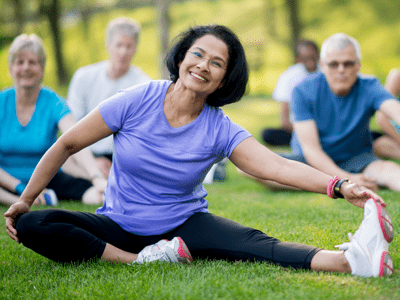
<point>342,122</point>
<point>21,147</point>
<point>155,182</point>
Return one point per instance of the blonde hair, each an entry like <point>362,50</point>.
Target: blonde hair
<point>26,42</point>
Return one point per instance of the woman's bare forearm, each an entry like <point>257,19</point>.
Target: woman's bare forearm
<point>45,170</point>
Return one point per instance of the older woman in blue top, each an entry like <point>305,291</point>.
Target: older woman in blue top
<point>167,135</point>
<point>30,117</point>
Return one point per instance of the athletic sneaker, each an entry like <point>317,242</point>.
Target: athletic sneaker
<point>50,197</point>
<point>367,251</point>
<point>174,251</point>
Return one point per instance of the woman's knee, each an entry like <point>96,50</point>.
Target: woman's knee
<point>27,223</point>
<point>383,171</point>
<point>93,196</point>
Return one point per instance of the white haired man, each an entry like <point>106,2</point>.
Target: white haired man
<point>332,112</point>
<point>94,83</point>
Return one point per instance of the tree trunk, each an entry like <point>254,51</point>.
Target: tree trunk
<point>293,7</point>
<point>19,16</point>
<point>163,25</point>
<point>53,14</point>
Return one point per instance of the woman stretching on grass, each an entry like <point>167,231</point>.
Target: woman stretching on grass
<point>167,136</point>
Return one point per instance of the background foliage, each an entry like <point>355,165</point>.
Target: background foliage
<point>262,25</point>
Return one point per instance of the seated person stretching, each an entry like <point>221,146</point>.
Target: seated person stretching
<point>30,118</point>
<point>94,83</point>
<point>332,112</point>
<point>389,145</point>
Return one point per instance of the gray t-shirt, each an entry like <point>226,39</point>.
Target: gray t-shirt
<point>90,85</point>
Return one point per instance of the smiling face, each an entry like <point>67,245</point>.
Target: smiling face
<point>204,66</point>
<point>26,70</point>
<point>121,49</point>
<point>340,68</point>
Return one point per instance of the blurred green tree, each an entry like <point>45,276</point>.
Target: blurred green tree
<point>52,10</point>
<point>162,7</point>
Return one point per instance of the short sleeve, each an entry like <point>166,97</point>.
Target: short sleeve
<point>116,109</point>
<point>231,135</point>
<point>281,92</point>
<point>76,95</point>
<point>288,80</point>
<point>51,104</point>
<point>379,92</point>
<point>62,108</point>
<point>301,109</point>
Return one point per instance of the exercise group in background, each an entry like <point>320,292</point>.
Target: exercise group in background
<point>168,134</point>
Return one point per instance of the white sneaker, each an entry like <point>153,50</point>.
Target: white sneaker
<point>174,251</point>
<point>50,197</point>
<point>367,251</point>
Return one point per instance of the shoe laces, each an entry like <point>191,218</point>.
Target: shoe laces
<point>156,252</point>
<point>346,246</point>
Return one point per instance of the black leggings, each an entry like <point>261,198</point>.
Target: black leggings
<point>276,136</point>
<point>69,236</point>
<point>69,187</point>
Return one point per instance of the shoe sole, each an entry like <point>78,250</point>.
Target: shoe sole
<point>385,222</point>
<point>386,264</point>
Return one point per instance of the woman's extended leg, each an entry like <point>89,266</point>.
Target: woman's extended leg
<point>367,253</point>
<point>214,237</point>
<point>331,261</point>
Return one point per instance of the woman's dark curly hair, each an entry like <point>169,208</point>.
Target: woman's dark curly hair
<point>236,76</point>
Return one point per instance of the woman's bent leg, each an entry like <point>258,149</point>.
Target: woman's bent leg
<point>69,236</point>
<point>210,236</point>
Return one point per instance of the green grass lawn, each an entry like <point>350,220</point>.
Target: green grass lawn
<point>290,216</point>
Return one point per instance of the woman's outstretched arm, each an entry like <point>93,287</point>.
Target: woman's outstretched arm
<point>260,162</point>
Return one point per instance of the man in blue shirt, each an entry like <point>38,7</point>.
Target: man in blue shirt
<point>331,112</point>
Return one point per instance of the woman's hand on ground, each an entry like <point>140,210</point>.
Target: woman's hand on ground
<point>12,214</point>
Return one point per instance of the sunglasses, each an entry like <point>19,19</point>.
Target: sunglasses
<point>346,64</point>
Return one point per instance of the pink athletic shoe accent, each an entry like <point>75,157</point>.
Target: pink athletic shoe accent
<point>173,251</point>
<point>367,251</point>
<point>183,250</point>
<point>386,265</point>
<point>385,222</point>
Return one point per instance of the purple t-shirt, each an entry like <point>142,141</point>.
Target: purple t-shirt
<point>155,182</point>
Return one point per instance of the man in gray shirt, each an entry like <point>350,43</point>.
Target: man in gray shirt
<point>94,83</point>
